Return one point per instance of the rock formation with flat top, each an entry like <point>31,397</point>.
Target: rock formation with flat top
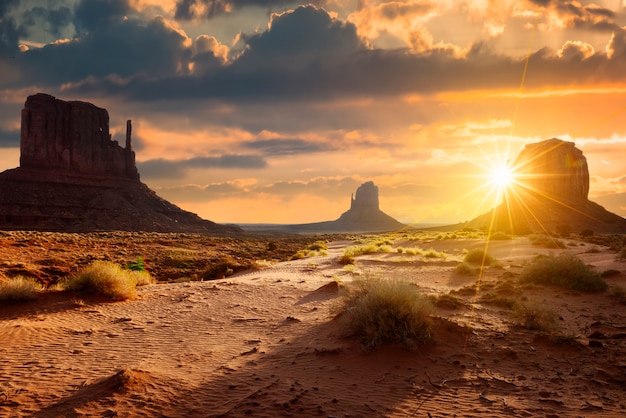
<point>552,191</point>
<point>364,215</point>
<point>72,136</point>
<point>74,177</point>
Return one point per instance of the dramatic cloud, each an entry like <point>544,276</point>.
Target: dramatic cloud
<point>51,20</point>
<point>192,9</point>
<point>176,169</point>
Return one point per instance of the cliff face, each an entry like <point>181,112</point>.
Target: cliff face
<point>366,197</point>
<point>73,177</point>
<point>554,168</point>
<point>553,190</point>
<point>72,136</point>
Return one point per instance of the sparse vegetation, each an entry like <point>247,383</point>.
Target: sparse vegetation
<point>448,301</point>
<point>534,316</point>
<point>387,311</point>
<point>618,293</point>
<point>499,300</point>
<point>109,279</point>
<point>565,270</point>
<point>499,236</point>
<point>610,273</point>
<point>314,249</point>
<point>478,256</point>
<point>546,241</point>
<point>18,289</point>
<point>465,269</point>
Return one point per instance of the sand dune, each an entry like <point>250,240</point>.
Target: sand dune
<point>266,343</point>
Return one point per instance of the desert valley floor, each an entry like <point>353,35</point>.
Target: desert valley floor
<point>267,342</point>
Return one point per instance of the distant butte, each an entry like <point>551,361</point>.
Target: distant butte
<point>73,177</point>
<point>553,191</point>
<point>364,215</point>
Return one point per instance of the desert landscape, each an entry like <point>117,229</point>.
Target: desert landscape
<point>270,340</point>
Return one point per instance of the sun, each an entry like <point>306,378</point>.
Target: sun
<point>502,176</point>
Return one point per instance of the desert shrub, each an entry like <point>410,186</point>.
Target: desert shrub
<point>546,241</point>
<point>142,277</point>
<point>107,278</point>
<point>499,300</point>
<point>137,265</point>
<point>618,293</point>
<point>18,289</point>
<point>224,267</point>
<point>622,253</point>
<point>610,273</point>
<point>387,311</point>
<point>499,236</point>
<point>318,246</point>
<point>565,270</point>
<point>346,259</point>
<point>478,256</point>
<point>534,316</point>
<point>432,253</point>
<point>586,233</point>
<point>464,269</point>
<point>448,301</point>
<point>564,230</point>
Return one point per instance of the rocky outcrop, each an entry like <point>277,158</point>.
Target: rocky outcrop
<point>74,177</point>
<point>551,191</point>
<point>72,136</point>
<point>364,215</point>
<point>554,168</point>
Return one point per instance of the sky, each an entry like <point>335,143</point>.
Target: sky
<point>275,111</point>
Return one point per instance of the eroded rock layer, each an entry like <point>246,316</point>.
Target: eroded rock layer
<point>74,177</point>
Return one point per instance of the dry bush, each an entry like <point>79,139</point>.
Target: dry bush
<point>387,311</point>
<point>18,289</point>
<point>109,279</point>
<point>464,269</point>
<point>565,270</point>
<point>448,301</point>
<point>479,256</point>
<point>534,316</point>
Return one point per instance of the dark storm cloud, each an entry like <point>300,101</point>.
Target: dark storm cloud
<point>91,15</point>
<point>305,55</point>
<point>161,168</point>
<point>9,139</point>
<point>272,147</point>
<point>10,31</point>
<point>123,49</point>
<point>188,9</point>
<point>52,20</point>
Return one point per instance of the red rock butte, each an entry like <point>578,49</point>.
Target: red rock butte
<point>74,177</point>
<point>552,191</point>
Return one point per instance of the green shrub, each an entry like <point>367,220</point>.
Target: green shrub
<point>19,289</point>
<point>464,269</point>
<point>107,278</point>
<point>566,271</point>
<point>387,311</point>
<point>478,256</point>
<point>137,265</point>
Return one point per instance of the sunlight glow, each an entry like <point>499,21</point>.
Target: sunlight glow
<point>502,176</point>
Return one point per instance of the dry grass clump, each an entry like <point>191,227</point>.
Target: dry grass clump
<point>479,256</point>
<point>109,279</point>
<point>536,317</point>
<point>465,269</point>
<point>18,289</point>
<point>565,270</point>
<point>387,311</point>
<point>448,301</point>
<point>546,241</point>
<point>314,249</point>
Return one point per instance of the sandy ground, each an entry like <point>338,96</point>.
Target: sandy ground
<point>267,343</point>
